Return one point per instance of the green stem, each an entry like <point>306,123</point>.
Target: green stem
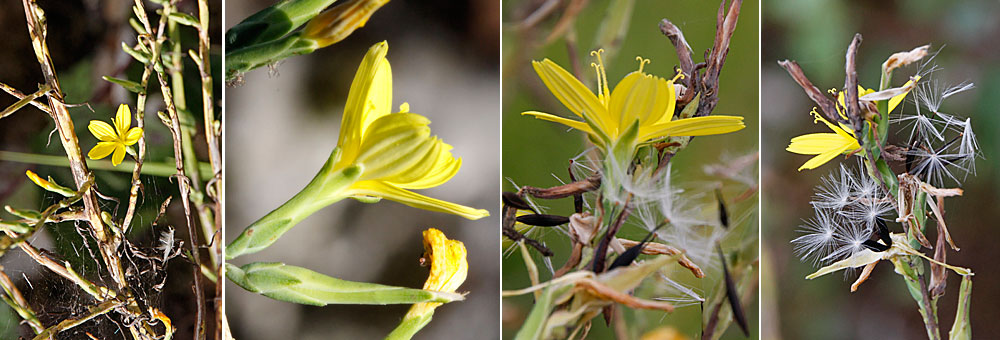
<point>410,326</point>
<point>251,57</point>
<point>326,188</point>
<point>148,168</point>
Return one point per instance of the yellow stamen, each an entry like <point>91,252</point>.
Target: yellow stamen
<point>642,62</point>
<point>679,75</point>
<point>603,93</point>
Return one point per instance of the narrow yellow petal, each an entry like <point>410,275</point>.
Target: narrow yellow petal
<point>119,154</point>
<point>444,169</point>
<point>101,150</point>
<point>894,101</point>
<point>821,159</point>
<point>355,110</point>
<point>391,192</point>
<point>697,126</point>
<point>123,120</point>
<point>103,131</point>
<point>379,101</point>
<point>572,93</point>
<point>816,143</point>
<point>132,136</point>
<point>568,122</point>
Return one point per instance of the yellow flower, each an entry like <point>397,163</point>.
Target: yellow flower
<point>394,151</point>
<point>338,22</point>
<point>638,97</point>
<point>825,146</point>
<point>843,140</point>
<point>449,268</point>
<point>114,139</point>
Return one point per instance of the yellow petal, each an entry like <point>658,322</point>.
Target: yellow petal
<point>445,167</point>
<point>379,101</point>
<point>572,93</point>
<point>123,120</point>
<point>390,142</point>
<point>553,118</point>
<point>356,109</point>
<point>820,159</point>
<point>816,143</point>
<point>102,149</point>
<point>132,136</point>
<point>894,101</point>
<point>103,131</point>
<point>639,97</point>
<point>449,266</point>
<point>697,126</point>
<point>119,154</point>
<point>391,192</point>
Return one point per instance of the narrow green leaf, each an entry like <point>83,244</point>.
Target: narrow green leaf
<point>184,19</point>
<point>534,326</point>
<point>132,86</point>
<point>962,328</point>
<point>303,286</point>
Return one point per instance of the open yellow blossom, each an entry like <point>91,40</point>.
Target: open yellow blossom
<point>114,139</point>
<point>843,140</point>
<point>825,146</point>
<point>379,155</point>
<point>638,97</point>
<point>395,151</point>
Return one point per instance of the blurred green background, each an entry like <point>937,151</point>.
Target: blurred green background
<point>536,152</point>
<point>816,34</point>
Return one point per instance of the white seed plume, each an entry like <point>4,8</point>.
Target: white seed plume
<point>835,192</point>
<point>818,238</point>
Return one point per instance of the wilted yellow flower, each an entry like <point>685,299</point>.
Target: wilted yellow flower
<point>449,267</point>
<point>843,140</point>
<point>394,151</point>
<point>114,139</point>
<point>638,97</point>
<point>338,22</point>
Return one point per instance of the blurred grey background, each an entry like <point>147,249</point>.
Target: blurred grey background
<point>816,34</point>
<point>281,127</point>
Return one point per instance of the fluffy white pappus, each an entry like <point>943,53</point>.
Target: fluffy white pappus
<point>931,93</point>
<point>968,147</point>
<point>835,191</point>
<point>922,127</point>
<point>868,209</point>
<point>818,237</point>
<point>934,166</point>
<point>849,239</point>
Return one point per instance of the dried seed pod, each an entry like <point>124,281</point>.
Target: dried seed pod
<point>543,220</point>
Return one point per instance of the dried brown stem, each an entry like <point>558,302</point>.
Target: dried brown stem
<point>826,105</point>
<point>589,184</point>
<point>724,28</point>
<point>607,293</point>
<point>851,85</point>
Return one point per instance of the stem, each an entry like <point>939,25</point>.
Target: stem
<point>150,169</point>
<point>325,189</point>
<point>251,57</point>
<point>410,326</point>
